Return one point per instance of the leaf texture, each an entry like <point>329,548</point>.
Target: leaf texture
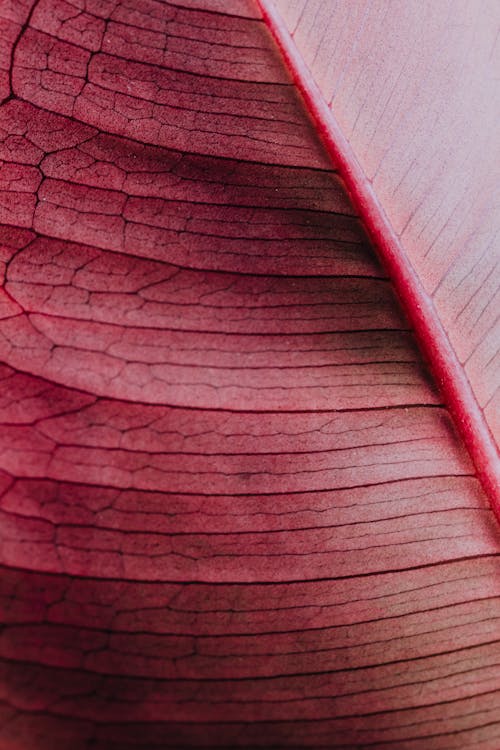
<point>420,146</point>
<point>234,509</point>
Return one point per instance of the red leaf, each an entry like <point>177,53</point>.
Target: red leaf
<point>234,508</point>
<point>395,189</point>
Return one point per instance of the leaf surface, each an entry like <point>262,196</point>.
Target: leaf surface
<point>416,134</point>
<point>234,509</point>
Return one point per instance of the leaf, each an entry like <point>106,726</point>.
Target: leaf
<point>234,509</point>
<point>433,225</point>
